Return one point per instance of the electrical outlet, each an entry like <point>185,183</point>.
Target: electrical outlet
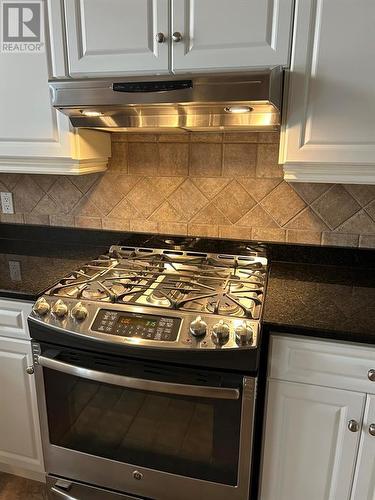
<point>15,270</point>
<point>7,203</point>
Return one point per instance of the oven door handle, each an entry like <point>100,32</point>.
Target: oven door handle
<point>62,494</point>
<point>196,391</point>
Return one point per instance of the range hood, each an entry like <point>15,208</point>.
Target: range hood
<point>227,101</point>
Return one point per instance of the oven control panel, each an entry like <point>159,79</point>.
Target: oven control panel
<point>142,326</point>
<point>147,326</point>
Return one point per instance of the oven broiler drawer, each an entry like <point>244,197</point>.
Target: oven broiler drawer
<point>61,489</point>
<point>143,428</point>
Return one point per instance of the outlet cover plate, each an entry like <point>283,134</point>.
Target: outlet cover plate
<point>7,203</point>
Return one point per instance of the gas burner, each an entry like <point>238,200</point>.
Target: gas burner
<point>101,292</point>
<point>224,306</point>
<point>236,283</point>
<point>158,298</point>
<point>91,294</point>
<point>66,291</point>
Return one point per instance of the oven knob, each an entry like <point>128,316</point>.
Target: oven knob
<point>220,332</point>
<point>60,309</point>
<point>41,307</point>
<point>198,327</point>
<point>79,312</point>
<point>244,333</point>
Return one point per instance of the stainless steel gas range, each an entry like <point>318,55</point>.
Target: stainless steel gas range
<point>146,363</point>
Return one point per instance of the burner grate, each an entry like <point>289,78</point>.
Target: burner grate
<point>219,284</point>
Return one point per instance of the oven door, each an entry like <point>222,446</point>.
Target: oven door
<point>147,429</point>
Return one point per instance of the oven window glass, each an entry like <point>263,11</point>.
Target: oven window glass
<point>194,437</point>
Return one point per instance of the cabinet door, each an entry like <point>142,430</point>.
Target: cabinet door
<point>34,137</point>
<point>116,37</point>
<point>329,134</point>
<point>364,481</point>
<point>20,445</point>
<point>29,126</point>
<point>309,452</point>
<point>13,318</point>
<point>230,35</point>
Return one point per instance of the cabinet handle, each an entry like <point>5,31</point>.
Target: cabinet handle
<point>160,37</point>
<point>371,375</point>
<point>30,370</point>
<point>371,429</point>
<point>177,37</point>
<point>353,426</point>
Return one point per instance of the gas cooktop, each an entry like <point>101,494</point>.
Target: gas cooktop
<point>161,298</point>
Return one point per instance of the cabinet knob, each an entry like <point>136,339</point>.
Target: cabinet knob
<point>371,429</point>
<point>371,375</point>
<point>353,426</point>
<point>160,37</point>
<point>30,370</point>
<point>177,37</point>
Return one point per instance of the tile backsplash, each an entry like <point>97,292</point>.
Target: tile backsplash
<point>228,185</point>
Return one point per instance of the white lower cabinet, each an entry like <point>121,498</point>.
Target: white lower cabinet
<point>309,453</point>
<point>364,481</point>
<point>319,438</point>
<point>20,443</point>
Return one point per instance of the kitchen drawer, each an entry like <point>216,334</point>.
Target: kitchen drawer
<point>322,362</point>
<point>13,318</point>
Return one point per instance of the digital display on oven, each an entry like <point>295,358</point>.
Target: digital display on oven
<point>144,326</point>
<point>134,322</point>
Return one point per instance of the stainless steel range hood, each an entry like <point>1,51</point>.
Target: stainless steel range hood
<point>228,101</point>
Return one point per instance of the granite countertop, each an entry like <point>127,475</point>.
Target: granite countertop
<point>303,296</point>
<point>327,301</point>
<point>27,268</point>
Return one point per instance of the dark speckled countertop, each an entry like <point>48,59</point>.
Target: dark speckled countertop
<point>334,300</point>
<point>330,301</point>
<point>38,265</point>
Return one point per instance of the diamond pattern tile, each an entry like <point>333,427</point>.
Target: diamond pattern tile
<point>335,206</point>
<point>65,194</point>
<point>228,185</point>
<point>259,188</point>
<point>150,192</point>
<point>307,220</point>
<point>26,194</point>
<point>166,213</point>
<point>257,217</point>
<point>310,191</point>
<point>187,200</point>
<point>362,193</point>
<point>210,215</point>
<point>234,201</point>
<point>283,203</point>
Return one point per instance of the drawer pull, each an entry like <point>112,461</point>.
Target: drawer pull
<point>353,426</point>
<point>371,430</point>
<point>371,375</point>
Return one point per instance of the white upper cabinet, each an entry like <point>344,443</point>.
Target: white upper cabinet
<point>34,137</point>
<point>116,37</point>
<point>230,35</point>
<point>330,126</point>
<point>134,37</point>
